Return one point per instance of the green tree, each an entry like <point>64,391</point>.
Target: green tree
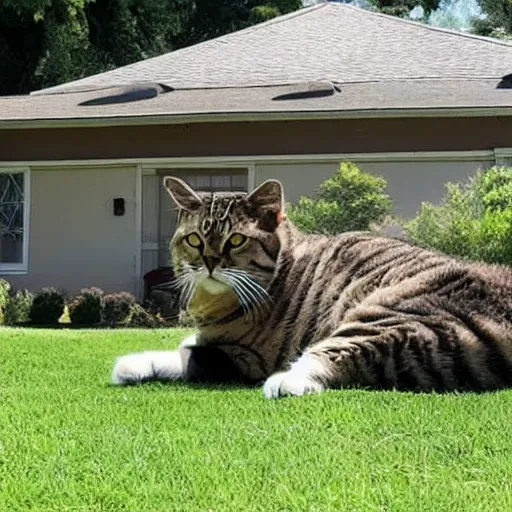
<point>403,7</point>
<point>498,20</point>
<point>46,42</point>
<point>351,200</point>
<point>213,19</point>
<point>474,221</point>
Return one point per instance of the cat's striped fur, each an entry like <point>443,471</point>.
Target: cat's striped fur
<point>304,313</point>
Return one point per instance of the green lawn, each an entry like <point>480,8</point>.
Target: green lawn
<point>71,442</point>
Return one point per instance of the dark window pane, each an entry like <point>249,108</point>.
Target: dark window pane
<point>11,217</point>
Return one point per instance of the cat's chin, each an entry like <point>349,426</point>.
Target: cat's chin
<point>212,299</point>
<point>214,287</point>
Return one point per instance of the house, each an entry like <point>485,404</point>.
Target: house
<point>81,164</point>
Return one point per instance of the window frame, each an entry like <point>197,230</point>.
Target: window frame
<point>20,268</point>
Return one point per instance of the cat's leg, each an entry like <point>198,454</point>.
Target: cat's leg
<point>193,363</point>
<point>151,365</point>
<point>332,363</point>
<point>363,355</point>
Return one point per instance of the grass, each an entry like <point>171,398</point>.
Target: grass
<point>71,442</point>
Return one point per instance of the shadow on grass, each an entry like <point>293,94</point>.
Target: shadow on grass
<point>216,386</point>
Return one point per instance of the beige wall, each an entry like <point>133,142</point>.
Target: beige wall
<point>75,240</point>
<point>409,182</point>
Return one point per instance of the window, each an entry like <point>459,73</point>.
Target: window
<point>14,213</point>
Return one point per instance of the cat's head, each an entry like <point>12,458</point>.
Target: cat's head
<point>226,244</point>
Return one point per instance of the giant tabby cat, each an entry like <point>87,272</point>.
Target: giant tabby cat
<point>304,313</point>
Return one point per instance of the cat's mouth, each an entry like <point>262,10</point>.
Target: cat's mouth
<point>214,286</point>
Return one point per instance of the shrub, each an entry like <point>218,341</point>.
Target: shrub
<point>140,317</point>
<point>117,308</point>
<point>165,305</point>
<point>5,289</point>
<point>474,220</point>
<point>47,307</point>
<point>351,200</point>
<point>17,309</point>
<point>86,308</point>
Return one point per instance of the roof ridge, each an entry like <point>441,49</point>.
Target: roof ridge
<point>252,28</point>
<point>421,25</point>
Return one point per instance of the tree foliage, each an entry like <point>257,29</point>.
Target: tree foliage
<point>474,220</point>
<point>46,42</point>
<point>498,20</point>
<point>351,200</point>
<point>403,7</point>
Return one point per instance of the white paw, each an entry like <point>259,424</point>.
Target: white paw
<point>144,366</point>
<point>290,384</point>
<point>300,379</point>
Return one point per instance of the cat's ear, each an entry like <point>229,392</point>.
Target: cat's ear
<point>182,194</point>
<point>267,203</point>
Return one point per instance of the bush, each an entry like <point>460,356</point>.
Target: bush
<point>47,307</point>
<point>165,305</point>
<point>17,309</point>
<point>351,200</point>
<point>140,317</point>
<point>5,289</point>
<point>474,220</point>
<point>86,308</point>
<point>117,308</point>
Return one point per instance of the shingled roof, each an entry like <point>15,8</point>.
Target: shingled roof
<point>373,62</point>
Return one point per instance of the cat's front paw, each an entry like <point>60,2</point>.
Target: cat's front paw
<point>290,384</point>
<point>146,366</point>
<point>300,379</point>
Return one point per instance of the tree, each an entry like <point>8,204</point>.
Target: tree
<point>474,220</point>
<point>46,42</point>
<point>351,200</point>
<point>498,20</point>
<point>213,19</point>
<point>403,7</point>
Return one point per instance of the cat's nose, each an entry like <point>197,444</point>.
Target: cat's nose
<point>211,262</point>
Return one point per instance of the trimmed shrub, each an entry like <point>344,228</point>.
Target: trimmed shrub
<point>5,290</point>
<point>474,220</point>
<point>17,309</point>
<point>86,308</point>
<point>351,200</point>
<point>47,307</point>
<point>117,308</point>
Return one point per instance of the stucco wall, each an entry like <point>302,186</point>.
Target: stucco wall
<point>409,182</point>
<point>75,240</point>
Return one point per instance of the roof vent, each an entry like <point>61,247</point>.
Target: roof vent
<point>505,82</point>
<point>308,91</point>
<point>126,94</point>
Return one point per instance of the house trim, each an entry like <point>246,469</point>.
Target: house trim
<point>502,156</point>
<point>138,231</point>
<point>20,268</point>
<point>149,165</point>
<point>220,117</point>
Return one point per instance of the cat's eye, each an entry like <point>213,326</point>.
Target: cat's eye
<point>237,240</point>
<point>193,240</point>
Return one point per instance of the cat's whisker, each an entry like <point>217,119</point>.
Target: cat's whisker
<point>240,295</point>
<point>262,296</point>
<point>247,296</point>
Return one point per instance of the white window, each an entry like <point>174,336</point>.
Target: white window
<point>14,219</point>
